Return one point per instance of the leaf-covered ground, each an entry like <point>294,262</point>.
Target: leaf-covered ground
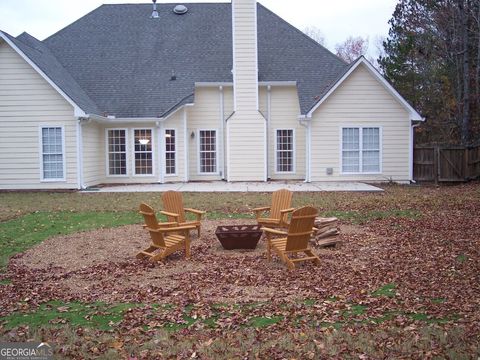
<point>405,284</point>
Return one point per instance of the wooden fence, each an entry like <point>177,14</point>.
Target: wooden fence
<point>446,163</point>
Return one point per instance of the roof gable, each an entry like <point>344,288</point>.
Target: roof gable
<point>46,65</point>
<point>414,115</point>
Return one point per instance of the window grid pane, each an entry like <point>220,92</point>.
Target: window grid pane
<point>52,153</point>
<point>143,152</point>
<point>284,150</point>
<point>361,150</point>
<point>117,152</point>
<point>170,152</point>
<point>208,151</point>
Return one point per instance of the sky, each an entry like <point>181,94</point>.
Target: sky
<point>336,19</point>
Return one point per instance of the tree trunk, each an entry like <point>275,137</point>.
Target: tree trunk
<point>463,12</point>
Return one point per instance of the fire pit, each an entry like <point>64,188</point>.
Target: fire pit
<point>239,236</point>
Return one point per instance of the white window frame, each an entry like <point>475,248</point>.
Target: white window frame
<point>199,165</point>
<point>40,143</point>
<point>133,153</point>
<point>165,152</point>
<point>107,153</point>
<point>294,155</point>
<point>360,135</point>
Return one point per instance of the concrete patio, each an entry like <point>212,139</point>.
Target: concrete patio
<point>222,186</point>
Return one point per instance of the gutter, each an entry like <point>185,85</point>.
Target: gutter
<point>306,122</point>
<point>412,146</point>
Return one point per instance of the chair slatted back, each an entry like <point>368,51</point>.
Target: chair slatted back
<point>281,200</point>
<point>300,229</point>
<point>173,203</point>
<point>152,223</point>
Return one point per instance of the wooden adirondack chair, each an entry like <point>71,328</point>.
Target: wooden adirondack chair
<point>281,206</point>
<point>165,240</point>
<point>295,240</point>
<point>175,212</point>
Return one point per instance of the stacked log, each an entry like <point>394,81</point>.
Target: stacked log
<point>327,233</point>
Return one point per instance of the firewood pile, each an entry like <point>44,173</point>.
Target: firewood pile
<point>327,233</point>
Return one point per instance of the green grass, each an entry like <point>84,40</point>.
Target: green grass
<point>387,290</point>
<point>5,282</point>
<point>20,234</point>
<point>260,321</point>
<point>96,315</point>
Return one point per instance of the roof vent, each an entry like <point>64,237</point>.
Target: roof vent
<point>155,12</point>
<point>180,9</point>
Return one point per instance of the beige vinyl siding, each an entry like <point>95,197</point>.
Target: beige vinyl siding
<point>204,115</point>
<point>27,102</point>
<point>285,109</point>
<point>93,154</point>
<point>175,122</point>
<point>246,128</point>
<point>360,101</point>
<point>245,70</point>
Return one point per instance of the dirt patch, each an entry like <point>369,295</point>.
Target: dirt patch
<point>101,265</point>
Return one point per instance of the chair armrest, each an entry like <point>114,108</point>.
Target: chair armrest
<point>274,231</point>
<point>169,214</point>
<point>176,228</point>
<point>261,208</point>
<point>195,211</point>
<point>287,210</point>
<point>163,224</point>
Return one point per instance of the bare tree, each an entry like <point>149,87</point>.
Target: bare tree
<point>315,33</point>
<point>352,48</point>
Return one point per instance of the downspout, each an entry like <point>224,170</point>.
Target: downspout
<point>80,184</point>
<point>306,123</point>
<point>412,146</point>
<point>268,121</point>
<point>222,132</point>
<point>185,146</point>
<point>161,158</point>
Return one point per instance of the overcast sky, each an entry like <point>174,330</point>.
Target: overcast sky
<point>337,19</point>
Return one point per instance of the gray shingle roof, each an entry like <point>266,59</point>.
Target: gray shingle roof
<point>37,52</point>
<point>124,60</point>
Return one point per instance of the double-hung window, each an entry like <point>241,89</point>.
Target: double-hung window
<point>208,151</point>
<point>143,151</point>
<point>117,151</point>
<point>284,151</point>
<point>361,150</point>
<point>170,152</point>
<point>53,156</point>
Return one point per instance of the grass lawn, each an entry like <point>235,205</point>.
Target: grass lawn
<point>405,285</point>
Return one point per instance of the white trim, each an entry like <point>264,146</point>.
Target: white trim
<point>185,146</point>
<point>79,134</point>
<point>222,133</point>
<point>199,157</point>
<point>161,151</point>
<point>268,121</point>
<point>228,151</point>
<point>260,83</point>
<point>256,62</point>
<point>411,150</point>
<point>134,171</point>
<point>360,149</point>
<point>107,153</point>
<point>165,152</point>
<point>78,112</point>
<point>294,152</point>
<point>414,115</point>
<point>234,63</point>
<point>40,143</point>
